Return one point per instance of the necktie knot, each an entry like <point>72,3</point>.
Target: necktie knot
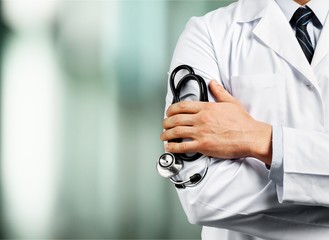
<point>302,17</point>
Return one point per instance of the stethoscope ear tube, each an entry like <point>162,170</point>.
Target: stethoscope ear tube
<point>169,164</point>
<point>176,90</point>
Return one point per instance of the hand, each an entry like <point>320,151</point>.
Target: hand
<point>223,129</point>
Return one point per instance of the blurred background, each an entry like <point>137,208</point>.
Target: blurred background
<point>82,89</point>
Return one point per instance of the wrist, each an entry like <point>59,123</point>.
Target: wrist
<point>261,143</point>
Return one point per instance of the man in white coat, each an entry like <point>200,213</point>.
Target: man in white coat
<point>266,126</point>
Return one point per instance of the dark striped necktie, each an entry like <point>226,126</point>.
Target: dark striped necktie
<point>299,21</point>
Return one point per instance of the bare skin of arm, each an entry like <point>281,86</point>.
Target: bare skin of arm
<point>222,129</point>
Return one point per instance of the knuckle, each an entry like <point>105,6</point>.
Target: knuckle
<point>176,131</point>
<point>163,136</point>
<point>184,147</point>
<point>183,105</point>
<point>171,147</point>
<point>221,89</point>
<point>204,118</point>
<point>206,139</point>
<point>202,141</point>
<point>170,110</point>
<point>168,147</point>
<point>206,143</point>
<point>175,120</point>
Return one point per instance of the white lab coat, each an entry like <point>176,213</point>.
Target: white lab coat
<point>250,48</point>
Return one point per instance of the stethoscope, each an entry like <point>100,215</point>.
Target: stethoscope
<point>170,164</point>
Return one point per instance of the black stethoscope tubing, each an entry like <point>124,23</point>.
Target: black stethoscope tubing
<point>176,91</point>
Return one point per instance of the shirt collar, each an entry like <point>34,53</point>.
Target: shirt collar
<point>319,7</point>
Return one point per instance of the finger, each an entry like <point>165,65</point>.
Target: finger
<point>183,147</point>
<point>220,94</point>
<point>177,132</point>
<point>178,120</point>
<point>183,107</point>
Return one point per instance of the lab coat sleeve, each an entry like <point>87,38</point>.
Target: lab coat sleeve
<point>276,171</point>
<point>234,194</point>
<point>305,168</point>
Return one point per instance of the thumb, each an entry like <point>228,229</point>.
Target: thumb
<point>220,94</point>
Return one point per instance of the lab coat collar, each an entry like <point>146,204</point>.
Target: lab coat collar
<point>322,47</point>
<point>254,9</point>
<point>274,31</point>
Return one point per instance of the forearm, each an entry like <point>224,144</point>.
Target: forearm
<point>261,142</point>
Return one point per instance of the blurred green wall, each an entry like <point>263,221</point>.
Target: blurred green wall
<point>3,33</point>
<point>1,41</point>
<point>100,70</point>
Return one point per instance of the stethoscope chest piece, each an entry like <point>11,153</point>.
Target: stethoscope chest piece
<point>168,165</point>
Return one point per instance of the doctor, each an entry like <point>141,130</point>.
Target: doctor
<point>267,125</point>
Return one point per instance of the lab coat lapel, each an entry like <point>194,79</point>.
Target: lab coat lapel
<point>322,48</point>
<point>274,30</point>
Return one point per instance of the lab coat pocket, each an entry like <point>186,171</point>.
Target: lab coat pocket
<point>263,96</point>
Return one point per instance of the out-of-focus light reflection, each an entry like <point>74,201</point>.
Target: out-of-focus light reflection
<point>30,120</point>
<point>30,127</point>
<point>29,15</point>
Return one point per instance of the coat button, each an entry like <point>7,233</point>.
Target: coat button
<point>309,85</point>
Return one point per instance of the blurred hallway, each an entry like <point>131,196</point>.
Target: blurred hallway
<point>82,92</point>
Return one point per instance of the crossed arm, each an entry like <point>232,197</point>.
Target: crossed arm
<point>222,129</point>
